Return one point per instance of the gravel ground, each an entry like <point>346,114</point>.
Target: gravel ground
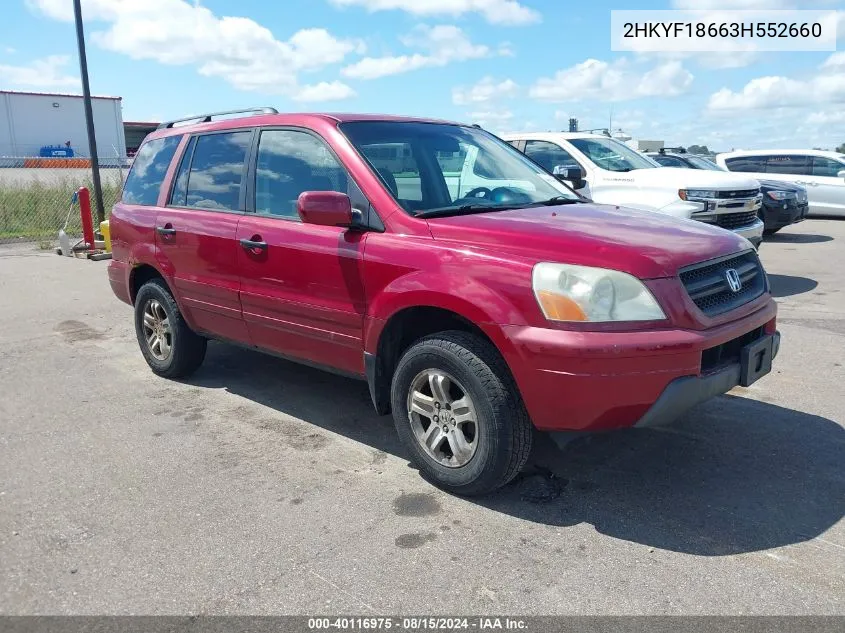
<point>260,486</point>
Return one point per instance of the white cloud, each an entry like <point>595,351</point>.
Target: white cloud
<point>238,50</point>
<point>324,91</point>
<point>616,81</point>
<point>442,45</point>
<point>10,50</point>
<point>485,90</point>
<point>835,61</point>
<point>494,120</point>
<point>494,11</point>
<point>738,5</point>
<point>48,72</point>
<point>828,86</point>
<point>826,118</point>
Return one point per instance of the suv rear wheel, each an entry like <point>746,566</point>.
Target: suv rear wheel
<point>170,347</point>
<point>458,411</point>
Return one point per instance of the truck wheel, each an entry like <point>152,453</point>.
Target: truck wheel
<point>170,347</point>
<point>459,413</point>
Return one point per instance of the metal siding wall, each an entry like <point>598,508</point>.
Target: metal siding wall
<point>33,122</point>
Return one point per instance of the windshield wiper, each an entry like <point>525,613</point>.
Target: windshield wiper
<point>464,209</point>
<point>551,202</point>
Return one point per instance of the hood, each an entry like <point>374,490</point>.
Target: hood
<point>772,185</point>
<point>642,243</point>
<point>681,178</point>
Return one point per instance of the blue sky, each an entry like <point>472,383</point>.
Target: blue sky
<point>508,64</point>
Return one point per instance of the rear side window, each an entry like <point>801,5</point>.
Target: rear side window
<point>217,171</point>
<point>788,164</point>
<point>549,155</point>
<point>826,167</point>
<point>148,170</point>
<point>179,195</point>
<point>747,164</point>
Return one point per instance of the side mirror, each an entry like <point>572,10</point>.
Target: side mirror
<point>325,208</point>
<point>573,175</point>
<point>841,174</point>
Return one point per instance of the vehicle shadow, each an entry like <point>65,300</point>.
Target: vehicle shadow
<point>798,238</point>
<point>735,475</point>
<point>789,285</point>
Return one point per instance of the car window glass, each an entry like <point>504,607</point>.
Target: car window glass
<point>549,155</point>
<point>397,167</point>
<point>448,166</point>
<point>289,163</point>
<point>612,155</point>
<point>788,164</point>
<point>148,170</point>
<point>179,195</point>
<point>826,166</point>
<point>747,164</point>
<point>217,169</point>
<point>669,161</point>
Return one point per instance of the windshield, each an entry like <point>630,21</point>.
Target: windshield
<point>443,169</point>
<point>704,163</point>
<point>610,154</point>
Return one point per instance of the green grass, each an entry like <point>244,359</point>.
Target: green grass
<point>33,210</point>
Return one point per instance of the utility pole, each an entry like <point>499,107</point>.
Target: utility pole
<point>89,113</point>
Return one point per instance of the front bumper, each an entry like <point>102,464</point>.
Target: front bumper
<point>752,232</point>
<point>572,380</point>
<point>777,215</point>
<point>684,393</point>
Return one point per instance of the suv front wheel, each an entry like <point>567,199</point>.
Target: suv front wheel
<point>458,411</point>
<point>170,347</point>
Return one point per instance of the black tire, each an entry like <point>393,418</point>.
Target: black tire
<point>504,430</point>
<point>187,349</point>
<point>771,231</point>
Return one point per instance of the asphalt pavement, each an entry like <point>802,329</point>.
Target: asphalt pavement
<point>260,486</point>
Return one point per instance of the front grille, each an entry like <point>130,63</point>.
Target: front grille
<point>715,358</point>
<point>741,193</point>
<point>707,283</point>
<point>735,220</point>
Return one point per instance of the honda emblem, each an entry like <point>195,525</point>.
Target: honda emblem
<point>734,282</point>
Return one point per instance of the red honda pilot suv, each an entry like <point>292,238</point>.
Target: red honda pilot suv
<point>476,294</point>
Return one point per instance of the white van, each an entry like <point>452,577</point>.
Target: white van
<point>821,173</point>
<point>609,172</point>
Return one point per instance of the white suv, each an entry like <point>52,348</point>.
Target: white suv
<point>821,173</point>
<point>609,172</point>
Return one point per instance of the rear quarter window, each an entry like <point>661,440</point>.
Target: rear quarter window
<point>148,170</point>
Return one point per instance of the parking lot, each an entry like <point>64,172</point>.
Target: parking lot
<point>261,486</point>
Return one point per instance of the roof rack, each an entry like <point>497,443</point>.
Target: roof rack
<point>676,150</point>
<point>206,118</point>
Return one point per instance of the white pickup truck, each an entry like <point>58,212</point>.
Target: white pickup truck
<point>609,172</point>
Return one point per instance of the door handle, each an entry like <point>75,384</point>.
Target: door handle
<point>165,230</point>
<point>254,244</point>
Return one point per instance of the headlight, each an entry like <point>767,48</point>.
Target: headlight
<point>686,194</point>
<point>582,293</point>
<point>778,195</point>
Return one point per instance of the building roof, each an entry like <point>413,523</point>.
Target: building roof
<point>55,94</point>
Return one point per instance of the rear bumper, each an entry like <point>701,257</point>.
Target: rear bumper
<point>119,280</point>
<point>593,381</point>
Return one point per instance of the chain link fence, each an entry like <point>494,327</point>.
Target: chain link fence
<point>36,194</point>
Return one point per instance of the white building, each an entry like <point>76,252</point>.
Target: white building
<point>32,120</point>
